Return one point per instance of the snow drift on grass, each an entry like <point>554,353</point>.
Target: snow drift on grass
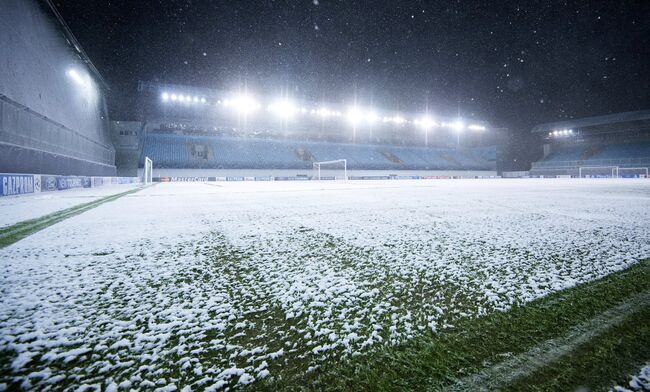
<point>222,286</point>
<point>639,382</point>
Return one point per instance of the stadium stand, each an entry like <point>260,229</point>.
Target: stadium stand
<point>620,140</point>
<point>228,152</point>
<point>212,133</point>
<point>53,114</point>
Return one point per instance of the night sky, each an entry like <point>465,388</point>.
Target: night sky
<point>513,64</point>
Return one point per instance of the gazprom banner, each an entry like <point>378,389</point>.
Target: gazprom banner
<point>16,184</point>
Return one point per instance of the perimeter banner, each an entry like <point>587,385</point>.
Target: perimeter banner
<point>60,183</point>
<point>16,184</point>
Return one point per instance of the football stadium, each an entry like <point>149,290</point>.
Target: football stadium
<point>243,239</point>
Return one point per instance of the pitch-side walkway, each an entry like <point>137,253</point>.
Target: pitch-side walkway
<point>18,231</point>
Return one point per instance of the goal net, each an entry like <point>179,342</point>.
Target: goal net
<point>147,173</point>
<point>633,172</point>
<point>598,172</point>
<point>331,170</point>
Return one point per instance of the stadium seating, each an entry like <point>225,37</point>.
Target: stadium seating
<point>227,152</point>
<point>610,154</point>
<point>567,159</point>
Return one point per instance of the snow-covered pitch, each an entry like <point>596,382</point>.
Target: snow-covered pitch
<point>222,284</point>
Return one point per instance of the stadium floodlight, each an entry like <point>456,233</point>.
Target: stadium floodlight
<point>475,127</point>
<point>283,108</point>
<point>173,97</point>
<point>165,97</point>
<point>181,98</point>
<point>243,104</point>
<point>425,122</point>
<point>76,77</point>
<point>196,99</point>
<point>395,119</point>
<point>202,100</point>
<point>355,115</point>
<point>372,117</point>
<point>323,112</point>
<point>458,126</point>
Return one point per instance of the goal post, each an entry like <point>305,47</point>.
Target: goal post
<point>598,171</point>
<point>333,165</point>
<point>147,173</point>
<point>635,172</point>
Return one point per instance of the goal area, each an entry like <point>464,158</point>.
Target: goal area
<point>598,172</point>
<point>336,169</point>
<point>612,172</point>
<point>633,172</point>
<point>147,173</point>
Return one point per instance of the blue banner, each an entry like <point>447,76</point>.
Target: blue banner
<point>301,178</point>
<point>61,183</point>
<point>189,179</point>
<point>16,184</point>
<point>406,177</point>
<point>369,177</point>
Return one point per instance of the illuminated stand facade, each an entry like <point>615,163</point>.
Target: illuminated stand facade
<point>53,116</point>
<point>214,130</point>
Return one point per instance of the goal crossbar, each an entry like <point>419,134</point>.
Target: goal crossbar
<point>345,166</point>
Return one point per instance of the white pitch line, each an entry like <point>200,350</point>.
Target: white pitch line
<point>548,352</point>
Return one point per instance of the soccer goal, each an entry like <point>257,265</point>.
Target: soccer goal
<point>598,172</point>
<point>147,173</point>
<point>633,172</point>
<point>334,170</point>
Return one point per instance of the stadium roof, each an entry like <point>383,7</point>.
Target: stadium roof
<point>609,122</point>
<point>75,45</point>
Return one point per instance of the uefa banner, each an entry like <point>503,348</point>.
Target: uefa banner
<point>405,177</point>
<point>369,177</point>
<point>61,183</point>
<point>188,179</point>
<point>17,184</point>
<point>300,178</point>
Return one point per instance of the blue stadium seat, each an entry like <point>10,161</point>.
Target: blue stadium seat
<point>228,152</point>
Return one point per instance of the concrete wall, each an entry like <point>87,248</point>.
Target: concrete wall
<point>50,102</point>
<point>126,139</point>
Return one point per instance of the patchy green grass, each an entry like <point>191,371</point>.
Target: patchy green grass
<point>435,362</point>
<point>18,231</point>
<point>601,363</point>
<point>211,304</point>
